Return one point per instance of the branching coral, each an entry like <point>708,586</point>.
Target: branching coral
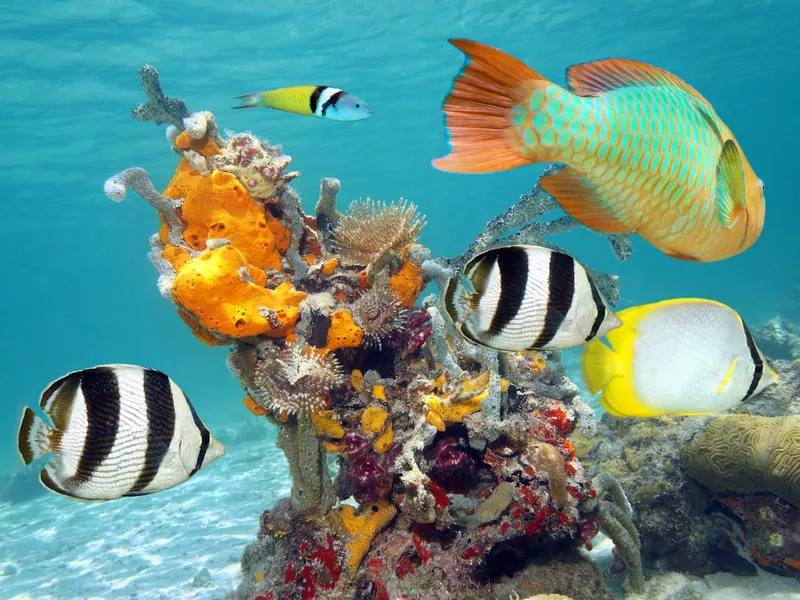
<point>521,224</point>
<point>371,228</point>
<point>615,516</point>
<point>296,380</point>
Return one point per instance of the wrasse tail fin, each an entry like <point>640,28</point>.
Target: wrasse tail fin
<point>602,76</point>
<point>731,201</point>
<point>477,110</point>
<point>249,101</point>
<point>579,197</point>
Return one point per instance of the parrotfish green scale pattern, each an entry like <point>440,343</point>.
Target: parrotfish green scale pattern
<point>655,160</point>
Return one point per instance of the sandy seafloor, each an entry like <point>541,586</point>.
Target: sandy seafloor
<point>157,546</point>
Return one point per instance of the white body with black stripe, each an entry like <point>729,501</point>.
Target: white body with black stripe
<point>525,298</point>
<point>119,430</point>
<point>687,356</point>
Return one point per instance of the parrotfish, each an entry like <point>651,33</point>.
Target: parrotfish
<point>515,298</point>
<point>685,356</point>
<point>644,152</point>
<point>311,100</point>
<point>117,430</point>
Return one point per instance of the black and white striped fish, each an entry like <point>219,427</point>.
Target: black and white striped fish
<point>118,430</point>
<point>525,298</point>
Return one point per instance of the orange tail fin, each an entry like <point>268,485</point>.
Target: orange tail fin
<point>478,110</point>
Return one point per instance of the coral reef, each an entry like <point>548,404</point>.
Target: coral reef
<point>455,472</point>
<point>746,453</point>
<point>693,520</point>
<point>779,338</point>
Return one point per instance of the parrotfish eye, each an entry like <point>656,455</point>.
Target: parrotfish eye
<point>359,106</point>
<point>761,183</point>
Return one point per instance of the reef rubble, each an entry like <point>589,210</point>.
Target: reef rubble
<point>455,474</point>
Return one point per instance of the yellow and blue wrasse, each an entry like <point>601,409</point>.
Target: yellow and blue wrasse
<point>686,356</point>
<point>311,100</point>
<point>644,151</point>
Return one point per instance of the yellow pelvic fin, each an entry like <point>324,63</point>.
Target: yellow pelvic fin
<point>728,376</point>
<point>620,399</point>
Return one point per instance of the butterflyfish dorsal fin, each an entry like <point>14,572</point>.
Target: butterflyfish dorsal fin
<point>730,197</point>
<point>602,76</point>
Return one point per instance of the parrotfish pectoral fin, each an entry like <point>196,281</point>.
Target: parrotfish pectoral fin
<point>602,76</point>
<point>579,197</point>
<point>731,201</point>
<point>477,110</point>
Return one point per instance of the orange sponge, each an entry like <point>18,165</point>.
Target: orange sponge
<point>407,283</point>
<point>218,206</point>
<point>211,288</point>
<point>343,333</point>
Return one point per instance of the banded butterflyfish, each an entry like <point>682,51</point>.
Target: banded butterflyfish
<point>516,298</point>
<point>116,430</point>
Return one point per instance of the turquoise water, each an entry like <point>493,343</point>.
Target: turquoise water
<point>79,289</point>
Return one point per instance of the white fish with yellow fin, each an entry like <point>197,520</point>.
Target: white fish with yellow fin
<point>117,430</point>
<point>320,101</point>
<point>515,298</point>
<point>686,356</point>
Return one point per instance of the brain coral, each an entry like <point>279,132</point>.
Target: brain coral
<point>745,453</point>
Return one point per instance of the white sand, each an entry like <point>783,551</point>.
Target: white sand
<point>152,547</point>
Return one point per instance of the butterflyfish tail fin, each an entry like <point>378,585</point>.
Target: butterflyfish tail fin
<point>599,364</point>
<point>34,437</point>
<point>458,301</point>
<point>478,110</point>
<point>249,100</point>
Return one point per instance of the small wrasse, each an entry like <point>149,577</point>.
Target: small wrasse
<point>515,298</point>
<point>311,100</point>
<point>676,357</point>
<point>645,152</point>
<point>117,430</point>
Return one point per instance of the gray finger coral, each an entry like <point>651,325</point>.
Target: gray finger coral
<point>745,453</point>
<point>371,228</point>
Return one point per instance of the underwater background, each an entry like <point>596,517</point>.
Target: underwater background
<point>78,287</point>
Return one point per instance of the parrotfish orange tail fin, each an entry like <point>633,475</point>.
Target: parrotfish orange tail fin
<point>478,111</point>
<point>579,197</point>
<point>249,100</point>
<point>731,201</point>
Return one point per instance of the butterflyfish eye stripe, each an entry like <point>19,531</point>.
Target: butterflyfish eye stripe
<point>601,309</point>
<point>205,437</point>
<point>756,358</point>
